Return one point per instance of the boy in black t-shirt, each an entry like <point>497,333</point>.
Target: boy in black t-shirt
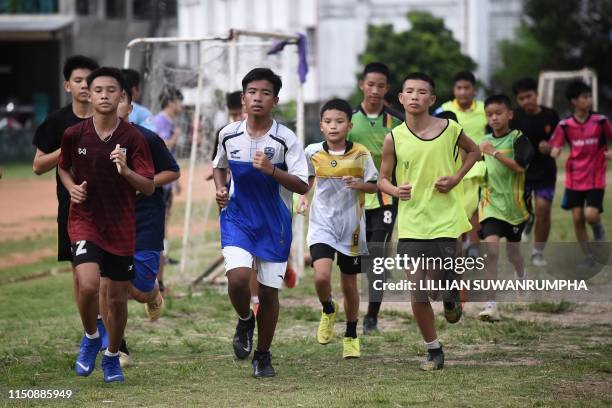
<point>537,123</point>
<point>48,137</point>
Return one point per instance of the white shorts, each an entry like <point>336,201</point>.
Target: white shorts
<point>270,274</point>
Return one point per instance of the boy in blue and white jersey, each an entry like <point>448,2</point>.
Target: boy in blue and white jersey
<point>267,165</point>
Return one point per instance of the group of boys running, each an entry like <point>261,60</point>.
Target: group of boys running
<point>466,173</point>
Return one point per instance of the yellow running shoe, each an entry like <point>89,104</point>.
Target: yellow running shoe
<point>351,347</point>
<point>326,326</point>
<point>154,309</point>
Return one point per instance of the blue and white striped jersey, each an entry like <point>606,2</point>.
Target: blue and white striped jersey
<point>258,215</point>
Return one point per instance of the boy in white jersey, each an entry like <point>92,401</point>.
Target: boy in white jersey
<point>267,164</point>
<point>344,171</point>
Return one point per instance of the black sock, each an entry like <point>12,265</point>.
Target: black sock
<point>328,306</point>
<point>351,329</point>
<point>373,309</point>
<point>260,354</point>
<point>123,347</point>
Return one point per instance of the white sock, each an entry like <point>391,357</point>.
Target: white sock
<point>536,251</point>
<point>99,317</point>
<point>434,344</point>
<point>93,336</point>
<point>255,300</point>
<point>109,354</point>
<point>248,317</point>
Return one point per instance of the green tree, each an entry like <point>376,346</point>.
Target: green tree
<point>559,35</point>
<point>428,46</point>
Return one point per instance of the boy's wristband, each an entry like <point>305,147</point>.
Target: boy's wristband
<point>495,153</point>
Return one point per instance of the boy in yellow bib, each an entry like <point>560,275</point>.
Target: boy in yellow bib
<point>423,155</point>
<point>471,116</point>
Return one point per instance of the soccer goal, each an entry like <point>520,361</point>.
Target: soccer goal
<point>204,70</point>
<point>552,85</point>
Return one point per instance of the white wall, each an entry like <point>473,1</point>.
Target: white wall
<point>340,30</point>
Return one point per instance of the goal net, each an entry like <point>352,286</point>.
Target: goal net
<point>552,86</point>
<point>205,70</point>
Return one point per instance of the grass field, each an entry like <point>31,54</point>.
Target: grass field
<point>542,354</point>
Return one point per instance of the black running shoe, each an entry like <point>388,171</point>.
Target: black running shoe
<point>370,325</point>
<point>434,360</point>
<point>452,307</point>
<point>243,337</point>
<point>262,365</point>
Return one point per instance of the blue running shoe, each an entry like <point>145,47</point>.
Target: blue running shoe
<point>112,369</point>
<point>103,334</point>
<point>88,352</point>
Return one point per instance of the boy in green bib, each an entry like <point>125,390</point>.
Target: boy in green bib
<point>502,211</point>
<point>422,154</point>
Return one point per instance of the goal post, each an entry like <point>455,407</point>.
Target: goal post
<point>552,84</point>
<point>204,69</point>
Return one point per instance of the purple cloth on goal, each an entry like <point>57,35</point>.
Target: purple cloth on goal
<point>302,55</point>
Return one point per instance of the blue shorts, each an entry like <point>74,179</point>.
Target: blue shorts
<point>146,267</point>
<point>543,191</point>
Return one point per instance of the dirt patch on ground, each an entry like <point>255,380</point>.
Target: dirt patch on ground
<point>28,209</point>
<point>23,205</point>
<point>21,258</point>
<point>585,390</point>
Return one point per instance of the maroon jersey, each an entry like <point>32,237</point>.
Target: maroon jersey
<point>107,216</point>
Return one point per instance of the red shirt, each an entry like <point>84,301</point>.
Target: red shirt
<point>107,216</point>
<point>586,166</point>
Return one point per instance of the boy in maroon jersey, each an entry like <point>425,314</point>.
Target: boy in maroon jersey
<point>103,162</point>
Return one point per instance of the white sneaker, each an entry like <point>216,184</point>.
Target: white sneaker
<point>124,359</point>
<point>490,313</point>
<point>525,237</point>
<point>537,259</point>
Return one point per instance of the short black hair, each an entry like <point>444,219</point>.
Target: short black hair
<point>447,115</point>
<point>78,62</point>
<point>524,85</point>
<point>107,72</point>
<point>259,74</point>
<point>128,94</point>
<point>577,88</point>
<point>339,105</point>
<point>422,77</point>
<point>377,67</point>
<point>499,99</point>
<point>132,78</point>
<point>168,95</point>
<point>464,76</point>
<point>233,100</point>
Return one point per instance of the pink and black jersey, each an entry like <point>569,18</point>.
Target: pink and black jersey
<point>586,166</point>
<point>107,217</point>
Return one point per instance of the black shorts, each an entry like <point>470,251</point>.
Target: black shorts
<point>576,198</point>
<point>493,226</point>
<point>437,248</point>
<point>381,219</point>
<point>114,267</point>
<point>433,248</point>
<point>64,252</point>
<point>350,265</point>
